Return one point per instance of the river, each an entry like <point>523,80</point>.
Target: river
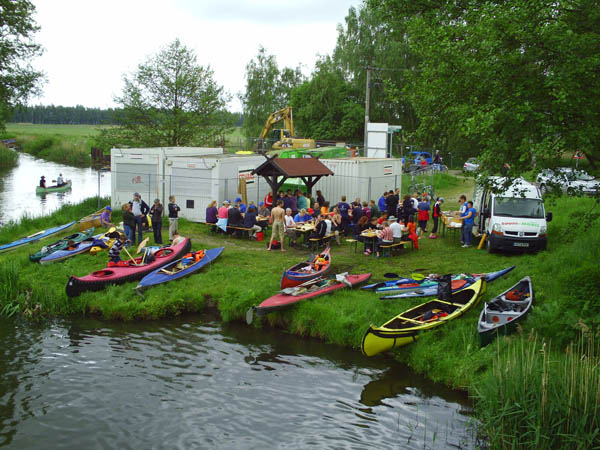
<point>17,187</point>
<point>194,382</point>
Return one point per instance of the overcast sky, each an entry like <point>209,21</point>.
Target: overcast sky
<point>89,45</point>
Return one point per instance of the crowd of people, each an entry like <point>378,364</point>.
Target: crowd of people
<point>392,218</point>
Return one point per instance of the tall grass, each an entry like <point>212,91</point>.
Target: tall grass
<point>8,157</point>
<point>74,151</point>
<point>538,398</point>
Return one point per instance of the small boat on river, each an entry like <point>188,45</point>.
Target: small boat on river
<point>407,326</point>
<point>190,263</point>
<point>35,237</point>
<point>501,314</point>
<point>313,267</point>
<point>127,271</point>
<point>61,244</point>
<point>63,187</point>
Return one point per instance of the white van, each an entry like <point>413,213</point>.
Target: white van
<point>514,219</point>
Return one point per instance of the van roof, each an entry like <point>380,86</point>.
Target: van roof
<point>518,188</point>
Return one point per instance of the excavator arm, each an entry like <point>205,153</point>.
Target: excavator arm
<point>284,114</point>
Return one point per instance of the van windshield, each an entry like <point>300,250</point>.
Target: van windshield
<point>519,207</point>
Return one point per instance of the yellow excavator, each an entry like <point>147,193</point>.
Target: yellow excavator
<point>281,137</point>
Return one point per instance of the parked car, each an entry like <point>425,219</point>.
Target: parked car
<point>471,165</point>
<point>567,179</point>
<point>415,157</point>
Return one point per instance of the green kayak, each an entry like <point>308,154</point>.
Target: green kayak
<point>61,188</point>
<point>61,244</point>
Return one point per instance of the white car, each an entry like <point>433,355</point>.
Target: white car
<point>471,165</point>
<point>567,179</point>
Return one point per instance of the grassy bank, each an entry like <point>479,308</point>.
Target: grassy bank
<point>566,280</point>
<point>8,157</point>
<point>65,144</point>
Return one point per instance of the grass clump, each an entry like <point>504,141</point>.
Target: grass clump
<point>538,398</point>
<point>8,157</point>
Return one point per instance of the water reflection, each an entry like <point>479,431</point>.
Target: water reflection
<point>17,187</point>
<point>196,383</point>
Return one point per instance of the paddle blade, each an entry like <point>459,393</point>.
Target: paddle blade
<point>250,315</point>
<point>142,245</point>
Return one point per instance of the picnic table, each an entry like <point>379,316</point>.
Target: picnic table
<point>451,220</point>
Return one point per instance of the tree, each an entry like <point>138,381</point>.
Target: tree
<point>18,80</point>
<point>169,101</point>
<point>267,90</point>
<point>519,78</point>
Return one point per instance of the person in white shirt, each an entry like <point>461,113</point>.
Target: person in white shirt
<point>289,226</point>
<point>328,229</point>
<point>59,180</point>
<point>396,228</point>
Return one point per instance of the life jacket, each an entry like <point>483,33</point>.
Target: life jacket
<point>320,263</point>
<point>433,315</point>
<point>196,256</point>
<point>515,295</point>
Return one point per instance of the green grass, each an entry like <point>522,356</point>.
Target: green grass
<point>566,280</point>
<point>8,157</point>
<point>33,129</point>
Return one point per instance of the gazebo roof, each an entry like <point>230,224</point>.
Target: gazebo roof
<point>293,167</point>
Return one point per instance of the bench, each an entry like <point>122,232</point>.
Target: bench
<point>317,242</point>
<point>388,249</point>
<point>238,231</point>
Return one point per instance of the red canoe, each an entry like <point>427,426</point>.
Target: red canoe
<point>98,280</point>
<point>320,287</point>
<point>310,269</point>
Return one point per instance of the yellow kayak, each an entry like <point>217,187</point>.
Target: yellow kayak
<point>406,327</point>
<point>108,241</point>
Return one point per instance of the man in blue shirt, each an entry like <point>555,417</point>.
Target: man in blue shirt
<point>468,221</point>
<point>381,202</point>
<point>343,208</point>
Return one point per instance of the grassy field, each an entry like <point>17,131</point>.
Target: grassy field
<point>566,280</point>
<point>81,131</point>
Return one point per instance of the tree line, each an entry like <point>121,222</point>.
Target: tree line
<point>51,114</point>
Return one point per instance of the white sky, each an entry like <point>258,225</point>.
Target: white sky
<point>90,44</point>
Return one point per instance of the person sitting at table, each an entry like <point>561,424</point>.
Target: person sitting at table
<point>396,229</point>
<point>336,223</point>
<point>325,208</point>
<point>234,217</point>
<point>212,213</point>
<point>268,203</point>
<point>359,227</point>
<point>385,236</point>
<point>356,213</point>
<point>263,210</point>
<point>302,217</point>
<point>290,226</point>
<point>366,211</point>
<point>250,222</point>
<point>222,217</point>
<point>372,225</point>
<point>410,232</point>
<point>320,228</point>
<point>316,212</point>
<point>383,218</point>
<point>241,206</point>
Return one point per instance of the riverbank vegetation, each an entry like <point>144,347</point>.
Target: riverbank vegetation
<point>8,157</point>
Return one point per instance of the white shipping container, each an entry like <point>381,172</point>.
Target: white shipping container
<point>142,170</point>
<point>364,178</point>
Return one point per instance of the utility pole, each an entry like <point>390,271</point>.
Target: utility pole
<point>367,104</point>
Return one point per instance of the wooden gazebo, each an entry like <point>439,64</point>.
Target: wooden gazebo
<point>310,170</point>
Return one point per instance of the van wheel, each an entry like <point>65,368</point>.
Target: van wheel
<point>490,248</point>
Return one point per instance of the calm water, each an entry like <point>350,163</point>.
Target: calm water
<point>196,383</point>
<point>17,187</point>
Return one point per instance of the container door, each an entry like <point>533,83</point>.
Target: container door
<point>192,188</point>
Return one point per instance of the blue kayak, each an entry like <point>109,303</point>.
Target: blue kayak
<point>382,284</point>
<point>180,268</point>
<point>75,249</point>
<point>428,287</point>
<point>35,237</point>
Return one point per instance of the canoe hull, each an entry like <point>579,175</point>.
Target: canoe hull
<point>431,289</point>
<point>405,328</point>
<point>292,277</point>
<point>282,300</point>
<point>93,220</point>
<point>500,316</point>
<point>117,275</point>
<point>158,277</point>
<point>35,237</point>
<point>61,244</point>
<point>64,187</point>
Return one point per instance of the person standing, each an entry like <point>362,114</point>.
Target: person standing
<point>423,214</point>
<point>320,199</point>
<point>157,212</point>
<point>139,208</point>
<point>301,203</point>
<point>391,202</point>
<point>277,219</point>
<point>437,160</point>
<point>269,200</point>
<point>467,225</point>
<point>128,222</point>
<point>437,213</point>
<point>381,202</point>
<point>173,217</point>
<point>374,209</point>
<point>344,209</point>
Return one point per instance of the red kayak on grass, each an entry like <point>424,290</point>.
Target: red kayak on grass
<point>122,273</point>
<point>311,289</point>
<point>313,267</point>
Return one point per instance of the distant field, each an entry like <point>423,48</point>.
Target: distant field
<point>65,130</point>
